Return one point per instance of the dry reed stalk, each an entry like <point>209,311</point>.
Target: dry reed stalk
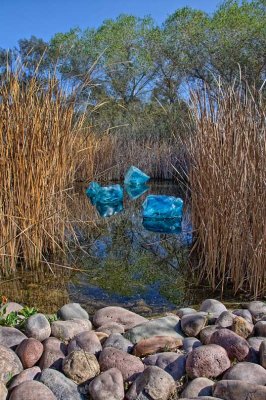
<point>40,147</point>
<point>227,178</point>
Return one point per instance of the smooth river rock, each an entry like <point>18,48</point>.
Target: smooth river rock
<point>244,314</point>
<point>119,315</point>
<point>156,344</point>
<point>107,386</point>
<point>38,327</point>
<point>129,365</point>
<point>54,351</point>
<point>260,328</point>
<point>3,391</point>
<point>80,366</point>
<point>87,341</point>
<point>206,333</point>
<point>207,361</point>
<point>27,375</point>
<point>10,364</point>
<point>192,324</point>
<point>225,319</point>
<point>191,343</point>
<point>152,384</point>
<point>172,363</point>
<point>66,330</point>
<point>118,341</point>
<point>247,372</point>
<point>212,306</point>
<point>236,346</point>
<point>257,309</point>
<point>72,311</point>
<point>197,388</point>
<point>62,387</point>
<point>111,327</point>
<point>184,311</point>
<point>239,390</point>
<point>32,390</point>
<point>29,351</point>
<point>11,337</point>
<point>262,354</point>
<point>165,326</point>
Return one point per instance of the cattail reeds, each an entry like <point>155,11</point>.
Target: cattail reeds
<point>41,145</point>
<point>228,189</point>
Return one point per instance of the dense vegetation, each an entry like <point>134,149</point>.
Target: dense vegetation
<point>134,76</point>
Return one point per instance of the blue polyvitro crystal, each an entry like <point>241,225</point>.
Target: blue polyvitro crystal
<point>134,192</point>
<point>162,206</point>
<point>92,191</point>
<point>166,225</point>
<point>109,194</point>
<point>109,209</point>
<point>135,176</point>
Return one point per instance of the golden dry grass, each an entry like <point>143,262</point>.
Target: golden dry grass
<point>227,178</point>
<point>42,143</point>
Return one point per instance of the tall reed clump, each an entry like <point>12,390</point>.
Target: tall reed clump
<point>227,178</point>
<point>39,152</point>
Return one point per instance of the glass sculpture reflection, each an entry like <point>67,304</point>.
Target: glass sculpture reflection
<point>92,191</point>
<point>135,176</point>
<point>134,192</point>
<point>109,209</point>
<point>169,225</point>
<point>162,206</point>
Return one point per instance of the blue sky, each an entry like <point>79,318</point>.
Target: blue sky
<point>43,18</point>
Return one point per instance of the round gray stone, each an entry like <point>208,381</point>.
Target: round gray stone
<point>87,341</point>
<point>10,364</point>
<point>154,383</point>
<point>62,387</point>
<point>197,388</point>
<point>119,315</point>
<point>225,319</point>
<point>260,328</point>
<point>191,343</point>
<point>247,372</point>
<point>28,374</point>
<point>3,391</point>
<point>238,390</point>
<point>262,354</point>
<point>66,330</point>
<point>172,363</point>
<point>192,324</point>
<point>31,390</point>
<point>11,337</point>
<point>213,307</point>
<point>107,386</point>
<point>117,341</point>
<point>71,311</point>
<point>184,311</point>
<point>244,314</point>
<point>38,327</point>
<point>165,326</point>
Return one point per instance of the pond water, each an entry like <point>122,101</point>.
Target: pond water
<point>120,262</point>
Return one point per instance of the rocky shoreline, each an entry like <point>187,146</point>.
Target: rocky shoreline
<point>213,353</point>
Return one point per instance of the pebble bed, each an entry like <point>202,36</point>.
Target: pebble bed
<point>213,353</point>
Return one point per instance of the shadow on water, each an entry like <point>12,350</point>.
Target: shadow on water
<point>123,263</point>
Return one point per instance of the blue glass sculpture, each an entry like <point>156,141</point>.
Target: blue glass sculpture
<point>167,225</point>
<point>134,192</point>
<point>109,209</point>
<point>92,191</point>
<point>162,206</point>
<point>135,176</point>
<point>109,194</point>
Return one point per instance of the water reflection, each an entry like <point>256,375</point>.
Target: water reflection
<point>109,209</point>
<point>170,225</point>
<point>134,192</point>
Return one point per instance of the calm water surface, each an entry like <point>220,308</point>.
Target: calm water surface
<point>122,264</point>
